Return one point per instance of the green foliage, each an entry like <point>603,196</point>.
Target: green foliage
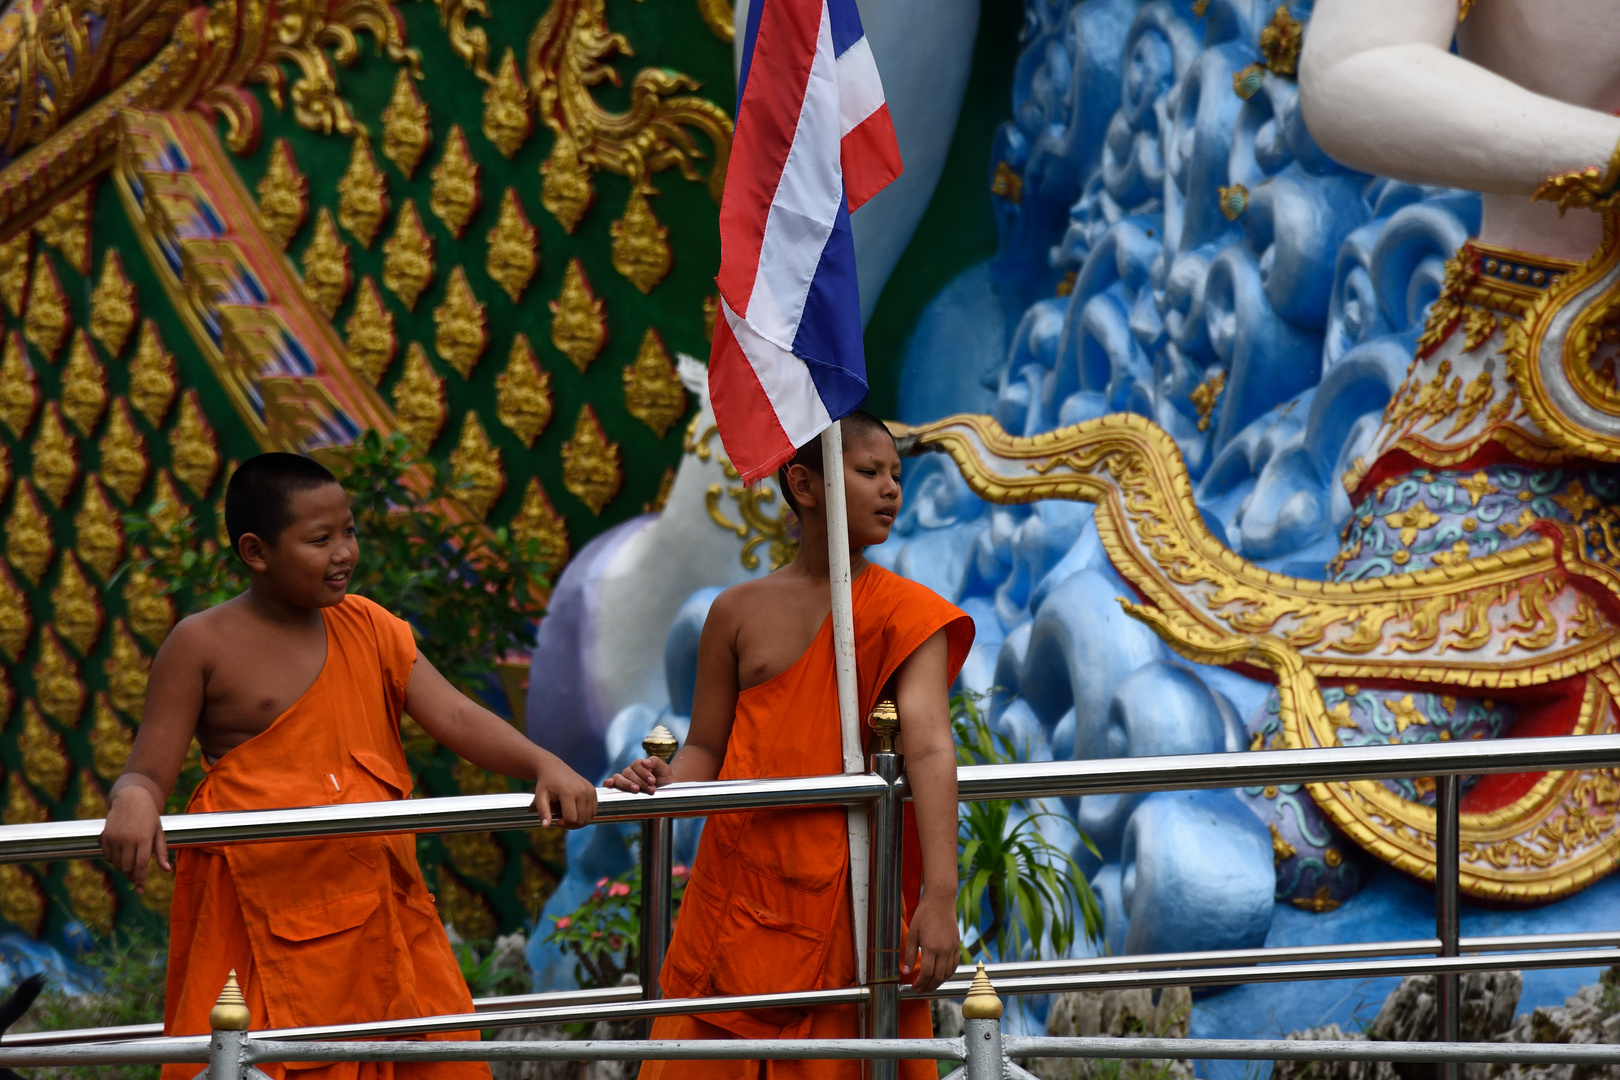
<point>132,972</point>
<point>1018,889</point>
<point>603,932</point>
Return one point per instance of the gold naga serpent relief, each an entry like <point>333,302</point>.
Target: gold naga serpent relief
<point>1530,616</point>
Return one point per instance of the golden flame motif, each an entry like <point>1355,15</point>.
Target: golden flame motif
<point>458,325</point>
<point>507,119</point>
<point>537,521</point>
<point>578,318</point>
<point>16,624</point>
<point>123,455</point>
<point>193,450</point>
<point>14,272</point>
<point>126,670</point>
<point>283,195</point>
<point>44,756</point>
<point>511,260</point>
<point>56,683</point>
<point>56,457</point>
<point>66,227</point>
<point>166,510</point>
<point>419,399</point>
<point>150,611</point>
<point>566,191</point>
<point>591,470</point>
<point>22,805</point>
<point>92,804</point>
<point>406,134</point>
<point>90,895</point>
<point>84,386</point>
<point>372,343</point>
<point>476,855</point>
<point>29,547</point>
<point>97,529</point>
<point>408,257</point>
<point>469,912</point>
<point>151,377</point>
<point>326,266</point>
<point>653,392</point>
<point>19,390</point>
<point>46,319</point>
<point>362,195</point>
<point>523,393</point>
<point>112,306</point>
<point>110,741</point>
<point>76,607</point>
<point>476,468</point>
<point>22,901</point>
<point>641,244</point>
<point>455,183</point>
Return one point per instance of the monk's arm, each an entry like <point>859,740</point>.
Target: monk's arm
<point>921,689</point>
<point>489,742</point>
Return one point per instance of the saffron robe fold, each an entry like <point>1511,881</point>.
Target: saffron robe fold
<point>328,931</point>
<point>767,908</point>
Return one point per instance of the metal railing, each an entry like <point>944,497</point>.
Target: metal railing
<point>1446,955</point>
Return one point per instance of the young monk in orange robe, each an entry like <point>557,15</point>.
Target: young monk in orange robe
<point>295,690</point>
<point>767,908</point>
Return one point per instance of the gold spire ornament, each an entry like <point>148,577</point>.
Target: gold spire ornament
<point>29,547</point>
<point>46,319</point>
<point>97,530</point>
<point>66,227</point>
<point>512,259</point>
<point>19,389</point>
<point>112,306</point>
<point>536,520</point>
<point>149,609</point>
<point>84,386</point>
<point>126,668</point>
<point>123,455</point>
<point>230,1012</point>
<point>419,399</point>
<point>16,624</point>
<point>14,272</point>
<point>653,392</point>
<point>641,244</point>
<point>459,334</point>
<point>455,195</point>
<point>408,257</point>
<point>476,468</point>
<point>56,457</point>
<point>326,266</point>
<point>44,755</point>
<point>283,195</point>
<point>372,342</point>
<point>193,449</point>
<point>578,319</point>
<point>110,741</point>
<point>152,380</point>
<point>523,393</point>
<point>591,469</point>
<point>76,607</point>
<point>566,192</point>
<point>362,194</point>
<point>507,119</point>
<point>660,743</point>
<point>406,131</point>
<point>982,1001</point>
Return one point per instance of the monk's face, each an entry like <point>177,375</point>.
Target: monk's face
<point>310,563</point>
<point>871,488</point>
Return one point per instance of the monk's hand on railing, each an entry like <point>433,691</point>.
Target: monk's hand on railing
<point>933,943</point>
<point>133,835</point>
<point>648,774</point>
<point>561,793</point>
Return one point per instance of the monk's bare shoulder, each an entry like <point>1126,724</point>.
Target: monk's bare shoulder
<point>196,639</point>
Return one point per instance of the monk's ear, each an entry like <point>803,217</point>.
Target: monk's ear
<point>802,483</point>
<point>253,551</point>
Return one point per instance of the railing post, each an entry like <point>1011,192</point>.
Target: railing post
<point>981,1029</point>
<point>883,931</point>
<point>1447,913</point>
<point>229,1018</point>
<point>657,840</point>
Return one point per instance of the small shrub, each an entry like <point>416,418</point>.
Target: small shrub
<point>131,972</point>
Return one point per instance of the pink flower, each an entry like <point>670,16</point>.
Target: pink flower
<point>564,922</point>
<point>679,870</point>
<point>596,933</point>
<point>619,888</point>
<point>615,942</point>
<point>601,882</point>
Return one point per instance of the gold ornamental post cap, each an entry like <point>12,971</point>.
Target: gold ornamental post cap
<point>982,1002</point>
<point>230,1012</point>
<point>885,722</point>
<point>660,742</point>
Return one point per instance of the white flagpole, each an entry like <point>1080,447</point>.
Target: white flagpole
<point>843,614</point>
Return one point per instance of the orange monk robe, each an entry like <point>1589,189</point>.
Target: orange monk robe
<point>319,931</point>
<point>767,908</point>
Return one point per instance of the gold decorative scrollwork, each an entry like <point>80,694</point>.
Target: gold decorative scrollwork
<point>126,670</point>
<point>46,319</point>
<point>591,469</point>
<point>29,546</point>
<point>56,457</point>
<point>512,259</point>
<point>653,392</point>
<point>408,257</point>
<point>66,227</point>
<point>152,379</point>
<point>362,194</point>
<point>455,194</point>
<point>283,195</point>
<point>419,399</point>
<point>97,530</point>
<point>148,607</point>
<point>193,449</point>
<point>641,244</point>
<point>84,386</point>
<point>57,684</point>
<point>459,332</point>
<point>536,520</point>
<point>372,342</point>
<point>16,624</point>
<point>719,17</point>
<point>578,318</point>
<point>523,393</point>
<point>507,117</point>
<point>19,389</point>
<point>123,455</point>
<point>469,43</point>
<point>14,272</point>
<point>76,607</point>
<point>112,306</point>
<point>91,896</point>
<point>326,266</point>
<point>22,901</point>
<point>44,756</point>
<point>758,527</point>
<point>476,468</point>
<point>407,129</point>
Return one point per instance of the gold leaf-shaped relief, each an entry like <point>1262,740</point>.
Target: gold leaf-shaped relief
<point>523,393</point>
<point>578,318</point>
<point>66,227</point>
<point>512,259</point>
<point>455,184</point>
<point>536,520</point>
<point>56,682</point>
<point>507,119</point>
<point>152,382</point>
<point>44,755</point>
<point>167,509</point>
<point>408,257</point>
<point>326,266</point>
<point>110,741</point>
<point>406,131</point>
<point>283,195</point>
<point>46,319</point>
<point>419,399</point>
<point>458,325</point>
<point>148,607</point>
<point>98,532</point>
<point>56,457</point>
<point>469,912</point>
<point>14,272</point>
<point>22,901</point>
<point>194,452</point>
<point>75,607</point>
<point>641,244</point>
<point>126,669</point>
<point>16,623</point>
<point>112,306</point>
<point>22,805</point>
<point>476,468</point>
<point>653,392</point>
<point>372,342</point>
<point>476,855</point>
<point>159,894</point>
<point>84,386</point>
<point>591,469</point>
<point>362,194</point>
<point>19,389</point>
<point>92,804</point>
<point>91,896</point>
<point>29,546</point>
<point>566,192</point>
<point>123,454</point>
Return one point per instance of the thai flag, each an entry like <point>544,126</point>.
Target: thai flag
<point>813,142</point>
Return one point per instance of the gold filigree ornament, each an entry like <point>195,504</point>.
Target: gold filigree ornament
<point>152,379</point>
<point>720,18</point>
<point>44,755</point>
<point>1280,42</point>
<point>98,532</point>
<point>536,520</point>
<point>476,855</point>
<point>22,805</point>
<point>578,318</point>
<point>476,468</point>
<point>22,901</point>
<point>372,342</point>
<point>110,742</point>
<point>123,455</point>
<point>126,669</point>
<point>46,318</point>
<point>406,127</point>
<point>419,399</point>
<point>84,386</point>
<point>523,393</point>
<point>150,611</point>
<point>470,43</point>
<point>459,333</point>
<point>66,227</point>
<point>1590,188</point>
<point>326,266</point>
<point>193,449</point>
<point>362,195</point>
<point>512,257</point>
<point>14,272</point>
<point>76,607</point>
<point>112,306</point>
<point>469,912</point>
<point>92,804</point>
<point>591,469</point>
<point>455,194</point>
<point>641,244</point>
<point>29,546</point>
<point>16,624</point>
<point>56,457</point>
<point>56,682</point>
<point>653,392</point>
<point>91,896</point>
<point>408,257</point>
<point>19,388</point>
<point>1205,395</point>
<point>283,195</point>
<point>566,191</point>
<point>507,116</point>
<point>167,509</point>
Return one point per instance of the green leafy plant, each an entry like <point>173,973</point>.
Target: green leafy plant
<point>603,932</point>
<point>130,971</point>
<point>1018,888</point>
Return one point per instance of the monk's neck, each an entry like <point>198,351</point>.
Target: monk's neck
<point>265,605</point>
<point>812,558</point>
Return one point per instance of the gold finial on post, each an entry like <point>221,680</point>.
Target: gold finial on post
<point>230,1012</point>
<point>885,722</point>
<point>660,742</point>
<point>982,1001</point>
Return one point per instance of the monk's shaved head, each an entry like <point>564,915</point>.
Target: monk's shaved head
<point>258,499</point>
<point>858,426</point>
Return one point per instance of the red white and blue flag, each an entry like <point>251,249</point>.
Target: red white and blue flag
<point>813,142</point>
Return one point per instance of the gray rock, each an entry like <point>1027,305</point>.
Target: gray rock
<point>1116,1014</point>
